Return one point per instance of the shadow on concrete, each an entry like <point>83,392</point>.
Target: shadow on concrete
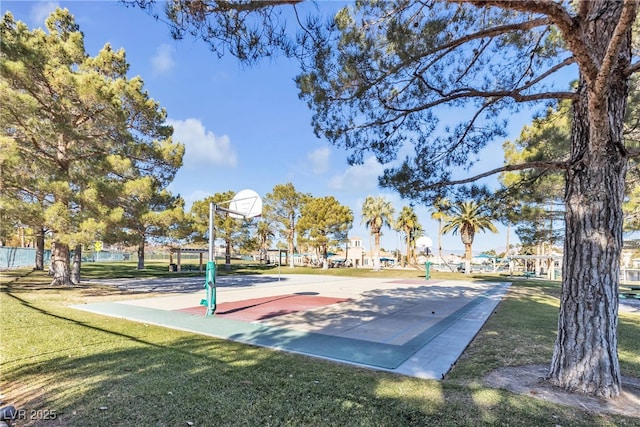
<point>184,284</point>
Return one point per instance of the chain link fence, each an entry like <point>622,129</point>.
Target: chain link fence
<point>12,258</point>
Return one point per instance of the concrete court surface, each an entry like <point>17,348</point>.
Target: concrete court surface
<point>414,327</point>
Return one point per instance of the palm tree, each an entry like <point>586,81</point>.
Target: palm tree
<point>416,233</point>
<point>468,218</point>
<point>440,213</point>
<point>377,213</point>
<point>408,223</point>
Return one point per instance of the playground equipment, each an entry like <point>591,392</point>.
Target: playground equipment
<point>245,204</point>
<point>427,270</point>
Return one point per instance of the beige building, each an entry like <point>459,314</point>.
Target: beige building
<point>355,252</point>
<point>358,256</point>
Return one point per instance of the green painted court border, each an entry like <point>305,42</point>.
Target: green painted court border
<point>350,350</point>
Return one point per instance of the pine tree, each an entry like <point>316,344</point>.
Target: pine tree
<point>78,130</point>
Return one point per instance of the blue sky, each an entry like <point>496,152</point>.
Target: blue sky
<point>242,127</point>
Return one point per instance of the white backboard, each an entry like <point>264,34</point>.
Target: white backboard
<point>424,242</point>
<point>247,203</point>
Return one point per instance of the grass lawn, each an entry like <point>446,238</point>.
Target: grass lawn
<point>82,369</point>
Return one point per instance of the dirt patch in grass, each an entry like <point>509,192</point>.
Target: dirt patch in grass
<point>530,380</point>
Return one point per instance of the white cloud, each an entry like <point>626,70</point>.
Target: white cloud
<point>359,178</point>
<point>163,61</point>
<point>202,146</point>
<point>41,11</point>
<point>319,160</point>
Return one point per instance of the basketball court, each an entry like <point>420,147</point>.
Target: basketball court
<point>414,327</point>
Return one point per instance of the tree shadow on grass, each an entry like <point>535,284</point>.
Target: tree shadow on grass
<point>111,372</point>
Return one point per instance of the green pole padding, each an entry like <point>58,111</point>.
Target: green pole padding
<point>211,272</point>
<point>427,270</point>
<point>210,284</point>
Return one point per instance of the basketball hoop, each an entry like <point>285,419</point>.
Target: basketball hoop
<point>245,204</point>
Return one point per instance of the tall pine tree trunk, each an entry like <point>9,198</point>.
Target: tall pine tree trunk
<point>60,265</point>
<point>292,234</point>
<point>77,262</point>
<point>585,357</point>
<point>227,255</point>
<point>141,254</point>
<point>40,249</point>
<point>325,257</point>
